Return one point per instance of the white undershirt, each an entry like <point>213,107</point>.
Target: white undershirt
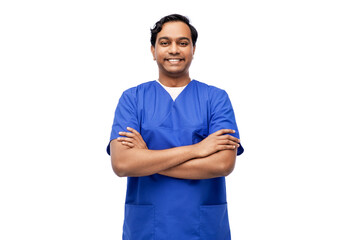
<point>173,91</point>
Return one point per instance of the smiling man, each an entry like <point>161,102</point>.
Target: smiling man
<point>175,139</point>
<point>173,50</point>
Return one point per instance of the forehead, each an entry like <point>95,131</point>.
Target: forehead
<point>175,30</point>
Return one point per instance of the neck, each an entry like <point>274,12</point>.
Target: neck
<point>174,81</point>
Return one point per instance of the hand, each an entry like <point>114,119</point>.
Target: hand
<point>217,141</point>
<point>132,139</point>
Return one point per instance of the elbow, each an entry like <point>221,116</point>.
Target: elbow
<point>121,159</point>
<point>119,167</point>
<point>227,165</point>
<point>229,170</point>
<point>226,168</point>
<point>119,172</point>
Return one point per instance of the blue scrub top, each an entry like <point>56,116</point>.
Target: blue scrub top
<point>165,208</point>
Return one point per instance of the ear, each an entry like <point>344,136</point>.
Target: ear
<point>153,51</point>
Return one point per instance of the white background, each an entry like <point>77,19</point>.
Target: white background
<point>291,69</point>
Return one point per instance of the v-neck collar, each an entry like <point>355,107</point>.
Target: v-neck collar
<point>168,94</point>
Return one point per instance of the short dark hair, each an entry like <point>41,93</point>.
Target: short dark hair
<point>172,18</point>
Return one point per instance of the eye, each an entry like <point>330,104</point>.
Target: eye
<point>184,43</point>
<point>164,43</point>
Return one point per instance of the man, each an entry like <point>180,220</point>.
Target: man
<point>175,139</point>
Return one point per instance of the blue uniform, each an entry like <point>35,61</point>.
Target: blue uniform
<point>165,208</point>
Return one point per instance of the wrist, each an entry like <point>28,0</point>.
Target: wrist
<point>195,151</point>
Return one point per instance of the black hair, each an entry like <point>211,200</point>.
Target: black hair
<point>172,18</point>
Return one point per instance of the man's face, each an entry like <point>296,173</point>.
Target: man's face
<point>173,49</point>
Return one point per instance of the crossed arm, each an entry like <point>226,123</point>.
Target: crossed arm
<point>212,157</point>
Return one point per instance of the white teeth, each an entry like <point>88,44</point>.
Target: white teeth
<point>173,60</point>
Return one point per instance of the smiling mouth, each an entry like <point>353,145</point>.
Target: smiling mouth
<point>174,60</point>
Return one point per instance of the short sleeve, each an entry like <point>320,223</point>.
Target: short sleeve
<point>222,115</point>
<point>125,116</point>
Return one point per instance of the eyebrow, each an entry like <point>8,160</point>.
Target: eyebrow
<point>180,38</point>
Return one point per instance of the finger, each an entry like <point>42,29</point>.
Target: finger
<point>136,134</point>
<point>228,142</point>
<point>232,138</point>
<point>226,147</point>
<point>224,131</point>
<point>123,139</point>
<point>133,131</point>
<point>127,144</point>
<point>137,137</point>
<point>127,134</point>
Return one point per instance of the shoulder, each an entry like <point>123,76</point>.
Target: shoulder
<point>133,95</point>
<point>212,91</point>
<point>140,87</point>
<point>136,90</point>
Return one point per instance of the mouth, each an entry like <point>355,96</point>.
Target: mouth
<point>174,60</point>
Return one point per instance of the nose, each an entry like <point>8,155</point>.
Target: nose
<point>173,49</point>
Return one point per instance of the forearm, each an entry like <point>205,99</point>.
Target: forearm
<point>216,165</point>
<point>135,162</point>
<point>212,157</point>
